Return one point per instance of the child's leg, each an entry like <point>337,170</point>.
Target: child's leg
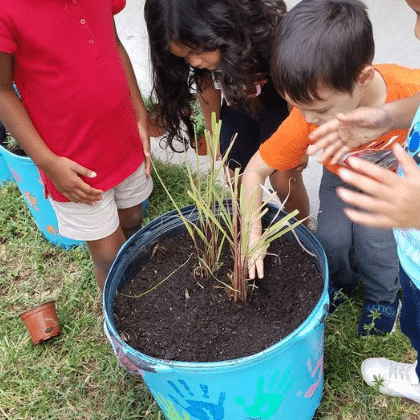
<point>335,233</point>
<point>131,219</point>
<point>376,262</point>
<point>129,196</point>
<point>410,313</point>
<point>103,252</point>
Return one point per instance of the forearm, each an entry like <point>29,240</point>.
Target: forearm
<point>209,99</point>
<point>254,176</point>
<point>402,112</point>
<point>16,119</point>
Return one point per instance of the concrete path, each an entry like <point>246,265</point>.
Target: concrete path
<point>393,23</point>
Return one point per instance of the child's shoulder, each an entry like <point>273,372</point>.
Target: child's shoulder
<point>397,75</point>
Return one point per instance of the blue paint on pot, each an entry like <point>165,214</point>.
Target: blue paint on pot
<point>27,178</point>
<point>283,382</point>
<point>5,174</point>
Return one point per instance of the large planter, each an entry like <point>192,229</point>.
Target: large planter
<point>28,179</point>
<point>283,382</point>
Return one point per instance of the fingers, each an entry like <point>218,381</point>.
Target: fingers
<point>361,201</point>
<point>369,219</point>
<point>83,195</point>
<point>368,177</point>
<point>256,267</point>
<point>330,138</point>
<point>259,264</point>
<point>408,164</point>
<point>324,130</point>
<point>81,170</point>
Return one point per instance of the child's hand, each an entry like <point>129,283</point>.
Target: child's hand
<point>348,131</point>
<point>65,174</point>
<point>387,200</point>
<point>256,258</point>
<point>144,134</point>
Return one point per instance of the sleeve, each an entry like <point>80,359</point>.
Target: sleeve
<point>8,37</point>
<point>117,6</point>
<point>286,147</point>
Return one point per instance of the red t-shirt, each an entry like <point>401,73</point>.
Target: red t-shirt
<point>72,81</point>
<point>286,147</point>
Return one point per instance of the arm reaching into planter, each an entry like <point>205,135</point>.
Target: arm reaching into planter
<point>362,126</point>
<point>255,174</point>
<point>63,172</point>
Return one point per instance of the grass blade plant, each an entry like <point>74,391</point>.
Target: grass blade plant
<point>218,222</point>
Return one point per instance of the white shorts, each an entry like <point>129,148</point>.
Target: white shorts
<point>85,222</point>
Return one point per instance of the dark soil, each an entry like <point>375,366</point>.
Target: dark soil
<point>191,319</point>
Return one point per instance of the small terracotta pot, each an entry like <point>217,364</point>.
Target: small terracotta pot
<point>42,322</point>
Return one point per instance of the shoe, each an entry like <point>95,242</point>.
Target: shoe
<point>394,379</point>
<point>337,297</point>
<point>379,318</point>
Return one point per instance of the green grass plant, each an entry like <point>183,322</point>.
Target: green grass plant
<point>76,375</point>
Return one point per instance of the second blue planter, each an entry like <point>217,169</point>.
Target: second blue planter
<point>28,179</point>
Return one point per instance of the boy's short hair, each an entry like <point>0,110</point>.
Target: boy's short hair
<point>321,43</point>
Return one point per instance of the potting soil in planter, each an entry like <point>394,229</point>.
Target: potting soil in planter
<point>188,318</point>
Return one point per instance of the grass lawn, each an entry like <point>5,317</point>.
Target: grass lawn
<point>76,375</point>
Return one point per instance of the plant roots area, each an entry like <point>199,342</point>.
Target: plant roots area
<point>190,318</point>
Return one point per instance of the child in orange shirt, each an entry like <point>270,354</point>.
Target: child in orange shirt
<point>331,71</point>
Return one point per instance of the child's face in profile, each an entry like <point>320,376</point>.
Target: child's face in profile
<point>332,102</point>
<point>209,60</point>
<point>415,5</point>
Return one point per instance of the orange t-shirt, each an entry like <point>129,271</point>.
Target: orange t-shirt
<point>286,147</point>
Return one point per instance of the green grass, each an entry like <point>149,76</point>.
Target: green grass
<point>76,375</point>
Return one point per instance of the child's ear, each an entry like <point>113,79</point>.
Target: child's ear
<point>366,75</point>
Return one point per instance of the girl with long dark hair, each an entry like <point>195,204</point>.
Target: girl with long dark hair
<point>219,51</point>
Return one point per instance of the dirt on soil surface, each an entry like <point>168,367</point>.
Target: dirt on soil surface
<point>192,319</point>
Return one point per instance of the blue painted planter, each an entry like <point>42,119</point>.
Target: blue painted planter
<point>5,174</point>
<point>27,178</point>
<point>283,382</point>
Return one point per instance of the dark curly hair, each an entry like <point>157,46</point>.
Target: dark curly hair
<point>240,29</point>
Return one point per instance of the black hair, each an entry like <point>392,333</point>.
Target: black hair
<point>321,43</point>
<point>240,29</point>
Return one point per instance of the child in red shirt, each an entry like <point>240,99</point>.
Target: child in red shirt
<point>81,119</point>
<point>331,72</point>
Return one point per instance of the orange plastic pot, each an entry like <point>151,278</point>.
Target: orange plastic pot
<point>42,322</point>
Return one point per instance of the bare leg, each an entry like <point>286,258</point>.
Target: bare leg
<point>103,252</point>
<point>131,219</point>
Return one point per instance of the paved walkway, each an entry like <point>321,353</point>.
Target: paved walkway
<point>393,23</point>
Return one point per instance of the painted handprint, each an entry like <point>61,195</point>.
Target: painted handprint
<point>313,371</point>
<point>196,408</point>
<point>168,407</point>
<point>266,403</point>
